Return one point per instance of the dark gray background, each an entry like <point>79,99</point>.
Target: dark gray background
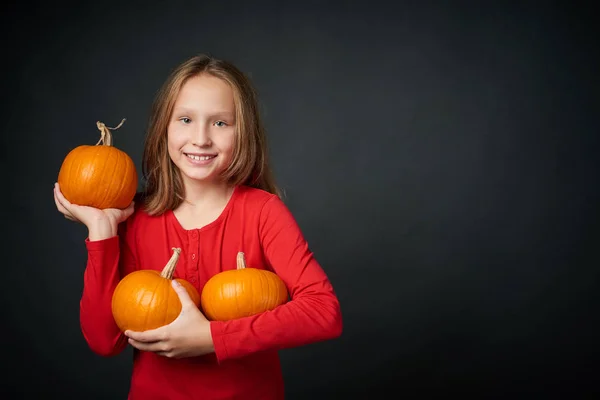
<point>440,159</point>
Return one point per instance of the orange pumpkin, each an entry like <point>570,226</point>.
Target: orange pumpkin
<point>100,176</point>
<point>242,292</point>
<point>145,299</point>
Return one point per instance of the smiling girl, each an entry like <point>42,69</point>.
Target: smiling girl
<point>209,191</point>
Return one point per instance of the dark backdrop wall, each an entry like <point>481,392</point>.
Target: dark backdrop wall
<point>440,159</point>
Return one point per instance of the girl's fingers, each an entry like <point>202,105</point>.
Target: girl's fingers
<point>121,215</point>
<point>62,200</point>
<point>129,210</point>
<point>61,208</point>
<point>59,205</point>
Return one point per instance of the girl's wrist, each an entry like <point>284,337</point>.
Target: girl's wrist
<point>100,231</point>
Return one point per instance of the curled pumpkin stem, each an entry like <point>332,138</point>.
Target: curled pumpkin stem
<point>105,135</point>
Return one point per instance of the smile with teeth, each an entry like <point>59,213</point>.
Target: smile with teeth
<point>200,158</point>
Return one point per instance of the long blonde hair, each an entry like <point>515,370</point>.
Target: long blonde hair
<point>164,188</point>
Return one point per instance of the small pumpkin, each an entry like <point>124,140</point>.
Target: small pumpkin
<point>242,292</point>
<point>145,299</point>
<point>100,176</point>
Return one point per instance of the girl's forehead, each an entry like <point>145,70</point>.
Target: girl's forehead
<point>204,92</point>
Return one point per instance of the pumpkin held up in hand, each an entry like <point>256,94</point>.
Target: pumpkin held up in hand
<point>242,292</point>
<point>145,299</point>
<point>100,176</point>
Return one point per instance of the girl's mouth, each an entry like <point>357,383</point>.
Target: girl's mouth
<point>198,157</point>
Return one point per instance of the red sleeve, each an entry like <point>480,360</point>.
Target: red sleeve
<point>108,261</point>
<point>313,312</point>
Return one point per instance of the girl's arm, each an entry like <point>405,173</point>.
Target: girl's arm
<point>108,261</point>
<point>313,314</point>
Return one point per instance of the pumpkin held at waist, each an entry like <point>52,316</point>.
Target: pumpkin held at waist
<point>242,292</point>
<point>145,299</point>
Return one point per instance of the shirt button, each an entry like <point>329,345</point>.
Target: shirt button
<point>194,256</point>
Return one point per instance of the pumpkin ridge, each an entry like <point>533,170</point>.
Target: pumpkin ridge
<point>275,289</point>
<point>151,307</point>
<point>253,281</point>
<point>247,286</point>
<point>129,305</point>
<point>236,297</point>
<point>99,196</point>
<point>70,174</point>
<point>167,299</point>
<point>125,180</point>
<point>265,301</point>
<point>138,303</point>
<point>109,178</point>
<point>117,193</point>
<point>83,171</point>
<point>108,196</point>
<point>268,301</point>
<point>170,296</point>
<point>128,169</point>
<point>222,293</point>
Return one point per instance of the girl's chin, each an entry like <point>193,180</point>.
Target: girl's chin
<point>201,178</point>
<point>196,177</point>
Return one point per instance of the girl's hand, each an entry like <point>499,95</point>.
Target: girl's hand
<point>187,336</point>
<point>102,224</point>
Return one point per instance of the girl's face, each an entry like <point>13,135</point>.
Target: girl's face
<point>201,132</point>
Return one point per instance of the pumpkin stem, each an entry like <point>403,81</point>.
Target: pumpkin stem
<point>106,136</point>
<point>169,269</point>
<point>241,261</point>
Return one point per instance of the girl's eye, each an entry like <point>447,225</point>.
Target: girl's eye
<point>185,120</point>
<point>220,123</point>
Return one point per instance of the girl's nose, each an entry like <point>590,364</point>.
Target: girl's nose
<point>201,137</point>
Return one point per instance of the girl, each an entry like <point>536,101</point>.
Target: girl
<point>209,192</point>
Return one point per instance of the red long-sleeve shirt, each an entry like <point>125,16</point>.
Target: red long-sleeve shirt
<point>245,364</point>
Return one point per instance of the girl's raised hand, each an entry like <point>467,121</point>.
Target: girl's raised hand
<point>101,224</point>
